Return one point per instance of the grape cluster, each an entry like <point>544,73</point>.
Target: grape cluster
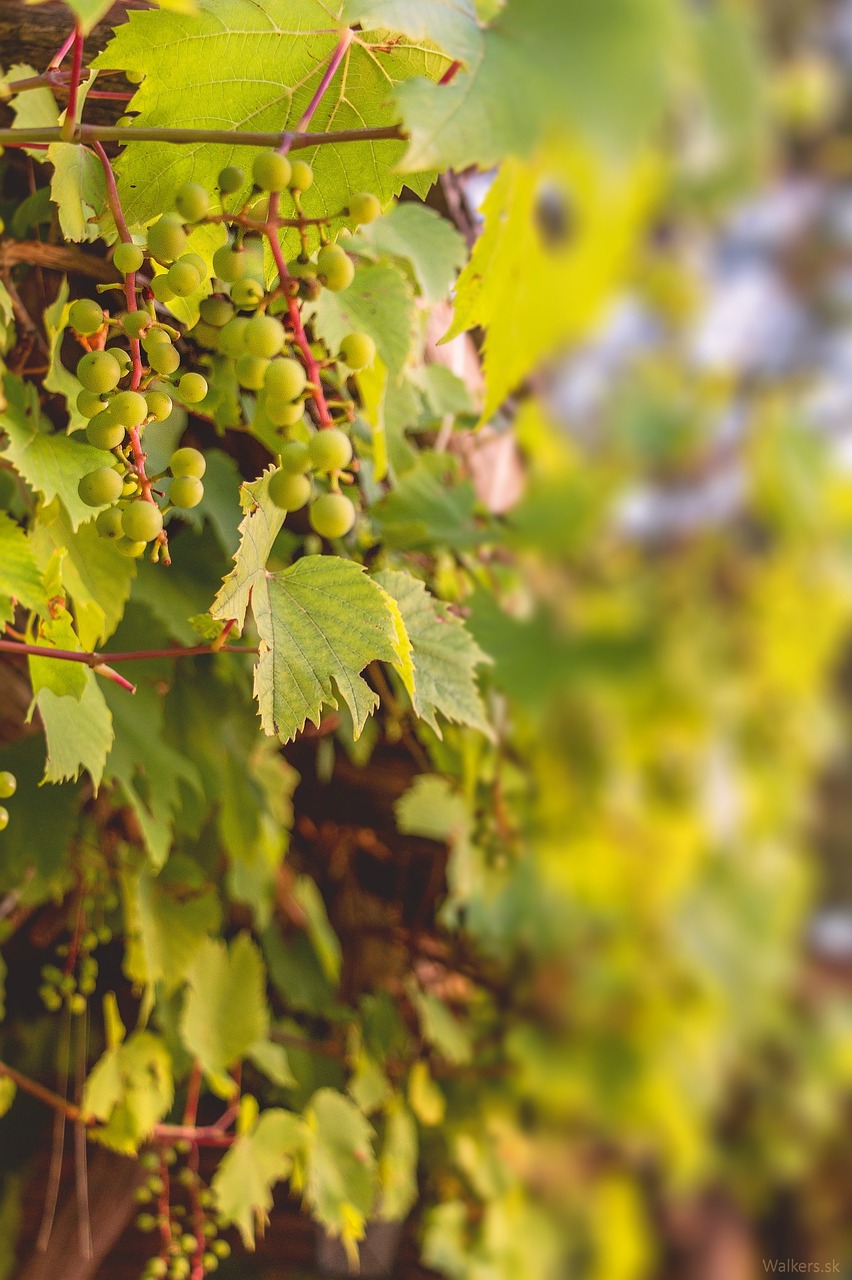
<point>191,1230</point>
<point>326,453</point>
<point>8,787</point>
<point>72,980</point>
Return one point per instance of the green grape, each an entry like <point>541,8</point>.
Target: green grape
<point>86,316</point>
<point>229,264</point>
<point>289,492</point>
<point>209,1261</point>
<point>163,358</point>
<point>103,432</point>
<point>192,202</point>
<point>89,940</point>
<point>250,371</point>
<point>336,269</point>
<point>150,1161</point>
<point>4,817</point>
<point>122,358</point>
<point>108,523</point>
<point>221,1248</point>
<point>205,335</point>
<point>285,378</point>
<point>283,413</point>
<point>196,260</point>
<point>154,338</point>
<point>232,337</point>
<point>100,488</point>
<point>332,515</point>
<point>264,336</point>
<point>157,1268</point>
<point>167,238</point>
<point>192,388</point>
<point>246,294</point>
<point>301,175</point>
<point>161,288</point>
<point>143,1195</point>
<point>271,171</point>
<point>146,1222</point>
<point>77,1004</point>
<point>128,257</point>
<point>159,404</point>
<point>104,934</point>
<point>188,462</point>
<point>295,457</point>
<point>67,984</point>
<point>8,784</point>
<point>98,371</point>
<point>364,207</point>
<point>129,407</point>
<point>183,278</point>
<point>216,311</point>
<point>186,491</point>
<point>330,450</point>
<point>179,1268</point>
<point>134,323</point>
<point>302,269</point>
<point>142,521</point>
<point>358,350</point>
<point>230,179</point>
<point>188,1243</point>
<point>89,404</point>
<point>127,547</point>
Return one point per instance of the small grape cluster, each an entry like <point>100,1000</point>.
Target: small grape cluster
<point>190,1233</point>
<point>8,787</point>
<point>73,982</point>
<point>326,453</point>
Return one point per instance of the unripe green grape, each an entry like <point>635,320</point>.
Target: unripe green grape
<point>221,1248</point>
<point>146,1222</point>
<point>301,175</point>
<point>332,515</point>
<point>302,269</point>
<point>134,322</point>
<point>179,1268</point>
<point>4,817</point>
<point>142,521</point>
<point>77,1004</point>
<point>283,413</point>
<point>129,487</point>
<point>108,524</point>
<point>188,1243</point>
<point>129,407</point>
<point>86,316</point>
<point>246,294</point>
<point>89,940</point>
<point>8,784</point>
<point>216,311</point>
<point>196,260</point>
<point>271,171</point>
<point>123,358</point>
<point>127,547</point>
<point>104,432</point>
<point>163,359</point>
<point>154,338</point>
<point>209,1261</point>
<point>310,289</point>
<point>358,350</point>
<point>143,1195</point>
<point>192,202</point>
<point>330,450</point>
<point>205,335</point>
<point>229,264</point>
<point>250,371</point>
<point>100,488</point>
<point>104,934</point>
<point>161,288</point>
<point>364,207</point>
<point>230,179</point>
<point>98,371</point>
<point>285,378</point>
<point>289,492</point>
<point>264,336</point>
<point>336,270</point>
<point>183,278</point>
<point>90,404</point>
<point>192,388</point>
<point>295,457</point>
<point>232,337</point>
<point>67,984</point>
<point>188,462</point>
<point>128,257</point>
<point>167,238</point>
<point>186,491</point>
<point>207,1200</point>
<point>150,1160</point>
<point>159,404</point>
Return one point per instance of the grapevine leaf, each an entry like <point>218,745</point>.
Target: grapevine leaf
<point>445,656</point>
<point>378,302</point>
<point>398,1164</point>
<point>272,1060</point>
<point>243,1181</point>
<point>450,24</point>
<point>422,237</point>
<point>432,504</point>
<point>168,917</point>
<point>281,50</point>
<point>440,1028</point>
<point>425,1097</point>
<point>79,732</point>
<point>433,808</point>
<point>225,1013</point>
<point>341,1180</point>
<point>44,822</point>
<point>58,378</point>
<point>34,108</point>
<point>324,940</point>
<point>65,679</point>
<point>320,623</point>
<point>258,530</point>
<point>20,576</point>
<point>130,1089</point>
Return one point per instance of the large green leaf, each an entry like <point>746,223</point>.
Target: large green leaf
<point>130,1089</point>
<point>258,530</point>
<point>20,576</point>
<point>432,505</point>
<point>79,731</point>
<point>450,24</point>
<point>243,1181</point>
<point>168,918</point>
<point>422,237</point>
<point>341,1183</point>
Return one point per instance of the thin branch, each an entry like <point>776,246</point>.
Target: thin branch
<point>70,122</point>
<point>96,659</point>
<point>53,1100</point>
<point>88,134</point>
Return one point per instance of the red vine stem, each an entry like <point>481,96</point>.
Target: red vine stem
<point>47,1096</point>
<point>70,122</point>
<point>96,659</point>
<point>59,57</point>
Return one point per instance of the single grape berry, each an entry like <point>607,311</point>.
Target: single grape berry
<point>264,336</point>
<point>146,1222</point>
<point>122,358</point>
<point>163,358</point>
<point>183,278</point>
<point>89,404</point>
<point>127,547</point>
<point>289,492</point>
<point>230,179</point>
<point>358,350</point>
<point>295,457</point>
<point>246,294</point>
<point>154,337</point>
<point>232,337</point>
<point>192,388</point>
<point>188,462</point>
<point>229,264</point>
<point>205,335</point>
<point>86,316</point>
<point>128,257</point>
<point>301,175</point>
<point>336,270</point>
<point>129,408</point>
<point>104,432</point>
<point>167,238</point>
<point>250,371</point>
<point>8,784</point>
<point>330,450</point>
<point>186,491</point>
<point>159,404</point>
<point>209,1261</point>
<point>221,1248</point>
<point>134,323</point>
<point>332,515</point>
<point>271,171</point>
<point>216,311</point>
<point>161,288</point>
<point>364,207</point>
<point>100,488</point>
<point>77,1004</point>
<point>108,523</point>
<point>285,378</point>
<point>192,202</point>
<point>142,521</point>
<point>302,269</point>
<point>98,371</point>
<point>283,413</point>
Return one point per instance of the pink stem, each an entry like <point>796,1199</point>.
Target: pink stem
<point>59,57</point>
<point>99,659</point>
<point>70,123</point>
